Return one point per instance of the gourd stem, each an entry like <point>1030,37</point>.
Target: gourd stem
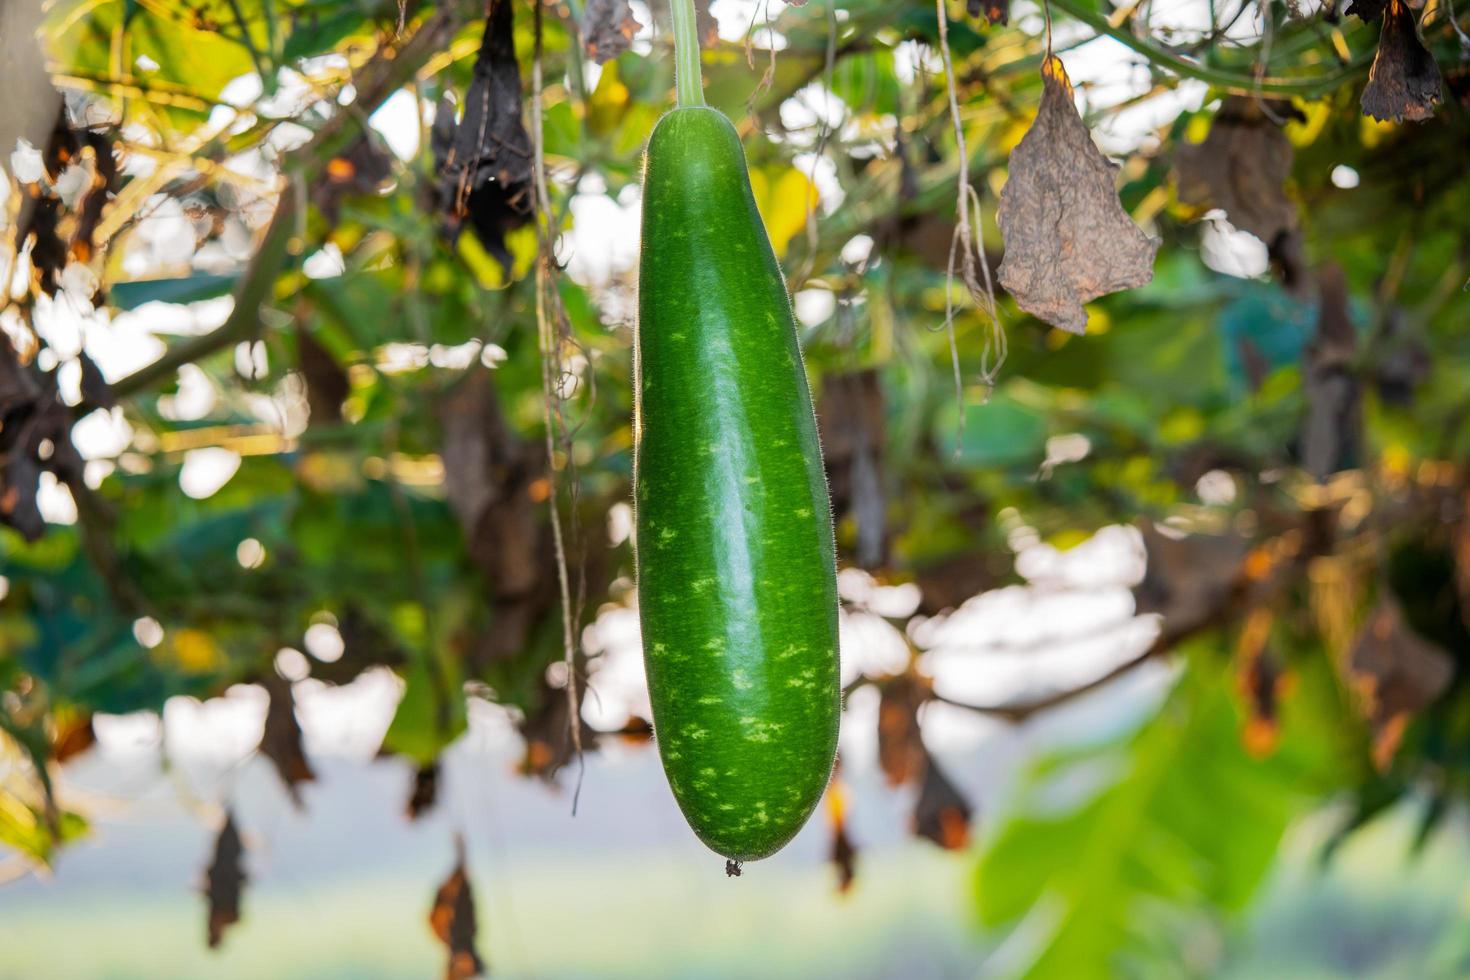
<point>688,84</point>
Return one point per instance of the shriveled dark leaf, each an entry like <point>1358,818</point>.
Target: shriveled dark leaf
<point>1462,558</point>
<point>224,881</point>
<point>281,740</point>
<point>1404,82</point>
<point>851,413</point>
<point>327,386</point>
<point>548,734</point>
<point>1332,430</point>
<point>453,920</point>
<point>1067,238</point>
<point>496,482</point>
<point>425,790</point>
<point>901,753</point>
<point>706,24</point>
<point>96,391</point>
<point>361,169</point>
<point>1242,167</point>
<point>488,473</point>
<point>994,11</point>
<point>1401,360</point>
<point>636,731</point>
<point>608,27</point>
<point>941,814</point>
<point>1394,673</point>
<point>35,436</point>
<point>1262,679</point>
<point>946,583</point>
<point>843,853</point>
<point>1188,578</point>
<point>89,207</point>
<point>74,735</point>
<point>484,162</point>
<point>18,506</point>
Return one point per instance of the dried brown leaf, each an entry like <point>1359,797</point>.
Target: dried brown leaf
<point>994,11</point>
<point>941,814</point>
<point>608,27</point>
<point>281,740</point>
<point>843,854</point>
<point>484,162</point>
<point>548,735</point>
<point>1462,558</point>
<point>74,735</point>
<point>361,169</point>
<point>901,753</point>
<point>453,920</point>
<point>1332,430</point>
<point>1404,82</point>
<point>1241,168</point>
<point>1067,238</point>
<point>224,881</point>
<point>851,414</point>
<point>327,386</point>
<point>1394,673</point>
<point>1189,577</point>
<point>425,790</point>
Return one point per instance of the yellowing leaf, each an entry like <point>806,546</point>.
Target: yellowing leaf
<point>195,651</point>
<point>784,204</point>
<point>608,102</point>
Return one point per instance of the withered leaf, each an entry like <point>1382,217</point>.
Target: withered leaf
<point>994,11</point>
<point>33,419</point>
<point>1462,558</point>
<point>281,740</point>
<point>453,920</point>
<point>851,415</point>
<point>488,474</point>
<point>1067,238</point>
<point>901,753</point>
<point>1394,672</point>
<point>1241,168</point>
<point>96,392</point>
<point>74,735</point>
<point>1188,578</point>
<point>484,162</point>
<point>941,814</point>
<point>1332,430</point>
<point>608,27</point>
<point>1404,81</point>
<point>496,483</point>
<point>224,881</point>
<point>327,386</point>
<point>361,169</point>
<point>425,790</point>
<point>843,854</point>
<point>706,24</point>
<point>1262,679</point>
<point>548,734</point>
<point>1401,359</point>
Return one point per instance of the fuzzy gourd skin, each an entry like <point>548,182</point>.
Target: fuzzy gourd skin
<point>736,566</point>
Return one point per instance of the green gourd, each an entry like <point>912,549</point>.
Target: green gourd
<point>736,566</point>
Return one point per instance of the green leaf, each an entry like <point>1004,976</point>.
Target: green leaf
<point>1185,833</point>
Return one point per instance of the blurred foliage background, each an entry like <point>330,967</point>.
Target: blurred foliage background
<point>294,360</point>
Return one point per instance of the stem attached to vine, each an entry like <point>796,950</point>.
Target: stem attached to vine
<point>688,84</point>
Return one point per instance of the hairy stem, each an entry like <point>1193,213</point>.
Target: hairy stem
<point>688,84</point>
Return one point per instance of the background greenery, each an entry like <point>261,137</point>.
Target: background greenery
<point>408,405</point>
